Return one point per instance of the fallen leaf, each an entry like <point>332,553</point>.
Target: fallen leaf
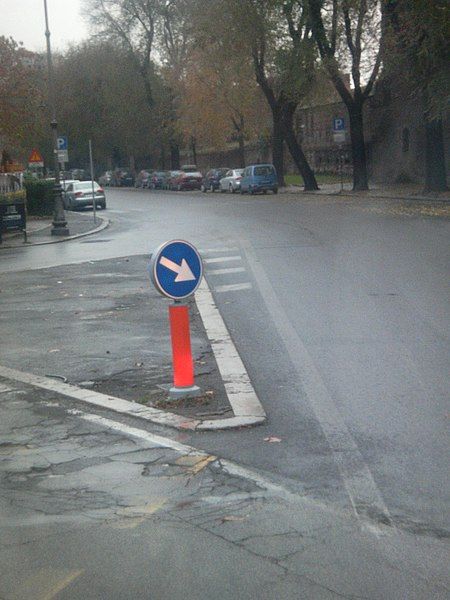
<point>272,439</point>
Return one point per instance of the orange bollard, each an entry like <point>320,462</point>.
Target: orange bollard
<point>183,365</point>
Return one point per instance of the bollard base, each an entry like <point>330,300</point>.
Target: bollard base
<point>177,393</point>
<point>60,231</point>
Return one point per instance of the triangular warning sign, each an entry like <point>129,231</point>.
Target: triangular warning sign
<point>35,156</point>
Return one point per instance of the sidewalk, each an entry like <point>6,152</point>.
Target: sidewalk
<point>411,192</point>
<point>39,230</point>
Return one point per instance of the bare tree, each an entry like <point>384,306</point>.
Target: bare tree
<point>348,34</point>
<point>279,40</point>
<point>132,24</point>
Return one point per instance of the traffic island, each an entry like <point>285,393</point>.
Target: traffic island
<point>114,348</point>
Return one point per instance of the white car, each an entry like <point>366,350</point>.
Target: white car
<point>67,182</point>
<point>232,181</point>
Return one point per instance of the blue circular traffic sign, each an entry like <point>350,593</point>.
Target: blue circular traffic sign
<point>176,269</point>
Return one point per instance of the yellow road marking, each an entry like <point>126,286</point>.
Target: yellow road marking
<point>45,584</point>
<point>195,463</point>
<point>63,584</point>
<point>135,515</point>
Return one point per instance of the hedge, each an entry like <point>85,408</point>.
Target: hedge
<point>39,197</point>
<point>8,197</point>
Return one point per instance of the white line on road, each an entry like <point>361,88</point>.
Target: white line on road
<point>358,480</point>
<point>240,391</point>
<point>233,287</point>
<point>217,250</point>
<point>226,271</point>
<point>220,259</point>
<point>242,418</point>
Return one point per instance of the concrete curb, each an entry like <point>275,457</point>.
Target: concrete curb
<point>362,195</point>
<point>103,225</point>
<point>126,407</point>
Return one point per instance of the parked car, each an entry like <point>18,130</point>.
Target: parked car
<point>232,181</point>
<point>143,179</point>
<point>187,179</point>
<point>126,179</point>
<point>158,180</point>
<point>212,178</point>
<point>105,179</point>
<point>67,182</point>
<point>171,176</point>
<point>79,195</point>
<point>259,178</point>
<point>189,168</point>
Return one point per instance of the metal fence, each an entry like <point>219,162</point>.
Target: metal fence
<point>10,182</point>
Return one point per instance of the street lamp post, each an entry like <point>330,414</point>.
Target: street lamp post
<point>59,225</point>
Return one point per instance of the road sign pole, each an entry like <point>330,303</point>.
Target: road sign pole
<point>176,271</point>
<point>92,181</point>
<point>183,364</point>
<point>59,224</point>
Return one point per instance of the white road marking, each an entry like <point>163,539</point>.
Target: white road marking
<point>226,271</point>
<point>233,287</point>
<point>220,259</point>
<point>358,480</point>
<point>216,250</point>
<point>5,388</point>
<point>241,394</point>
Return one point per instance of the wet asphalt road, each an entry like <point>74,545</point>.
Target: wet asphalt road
<point>340,313</point>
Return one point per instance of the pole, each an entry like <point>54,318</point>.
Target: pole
<point>92,181</point>
<point>341,167</point>
<point>59,225</point>
<point>183,365</point>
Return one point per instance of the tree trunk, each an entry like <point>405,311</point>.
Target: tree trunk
<point>174,155</point>
<point>194,150</point>
<point>360,179</point>
<point>296,151</point>
<point>435,175</point>
<point>241,151</point>
<point>277,146</point>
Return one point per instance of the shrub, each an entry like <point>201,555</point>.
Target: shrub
<point>39,197</point>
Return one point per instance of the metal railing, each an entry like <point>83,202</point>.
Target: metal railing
<point>10,182</point>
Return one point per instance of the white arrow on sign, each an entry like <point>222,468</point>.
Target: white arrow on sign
<point>183,271</point>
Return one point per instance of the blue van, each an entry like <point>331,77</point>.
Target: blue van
<point>259,178</point>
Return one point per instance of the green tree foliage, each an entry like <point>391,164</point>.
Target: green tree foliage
<point>102,99</point>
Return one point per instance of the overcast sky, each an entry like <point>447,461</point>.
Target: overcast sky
<point>24,20</point>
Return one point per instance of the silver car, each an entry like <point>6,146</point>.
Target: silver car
<point>232,181</point>
<point>79,195</point>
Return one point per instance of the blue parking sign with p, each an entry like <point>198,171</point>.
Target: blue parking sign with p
<point>339,124</point>
<point>62,142</point>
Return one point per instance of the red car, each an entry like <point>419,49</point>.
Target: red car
<point>189,178</point>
